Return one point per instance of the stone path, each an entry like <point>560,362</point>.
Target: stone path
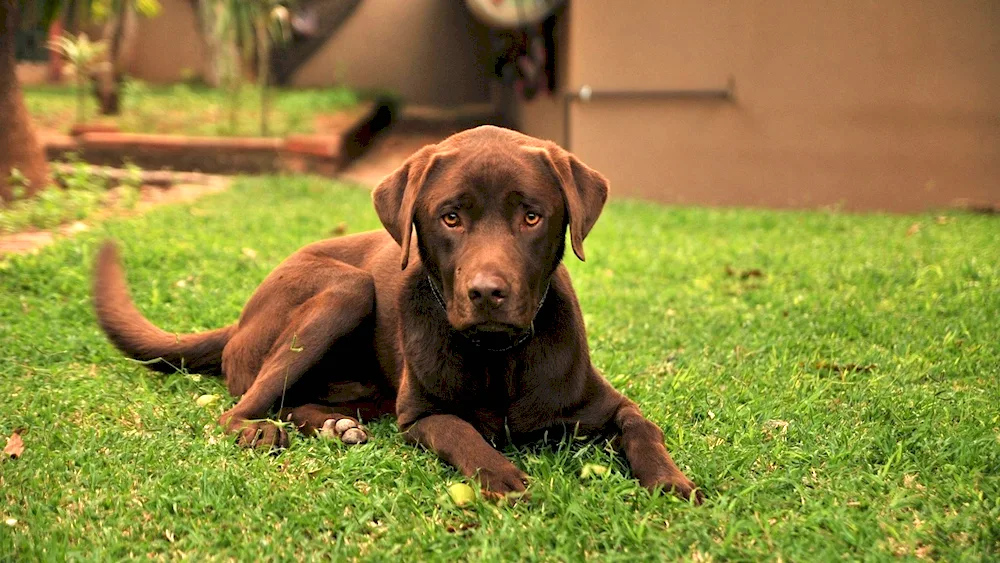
<point>150,197</point>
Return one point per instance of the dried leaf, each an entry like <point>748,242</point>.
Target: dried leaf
<point>339,230</point>
<point>914,229</point>
<point>250,253</point>
<point>206,400</point>
<point>775,428</point>
<point>592,470</point>
<point>15,445</point>
<point>461,527</point>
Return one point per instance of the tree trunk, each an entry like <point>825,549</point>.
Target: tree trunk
<point>19,146</point>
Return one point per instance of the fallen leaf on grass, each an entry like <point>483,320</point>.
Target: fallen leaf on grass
<point>592,470</point>
<point>205,400</point>
<point>250,253</point>
<point>452,529</point>
<point>339,230</point>
<point>461,494</point>
<point>775,428</point>
<point>914,229</point>
<point>15,445</point>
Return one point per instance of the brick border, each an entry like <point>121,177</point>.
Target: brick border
<point>325,154</point>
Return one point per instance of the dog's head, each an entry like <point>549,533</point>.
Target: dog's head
<point>491,207</point>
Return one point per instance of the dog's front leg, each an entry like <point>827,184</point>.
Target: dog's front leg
<point>461,445</point>
<point>642,443</point>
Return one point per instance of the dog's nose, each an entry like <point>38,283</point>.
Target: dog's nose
<point>488,290</point>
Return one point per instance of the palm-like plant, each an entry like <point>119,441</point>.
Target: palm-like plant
<point>251,27</point>
<point>83,56</point>
<point>116,14</point>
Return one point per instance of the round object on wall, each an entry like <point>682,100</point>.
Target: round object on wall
<point>512,14</point>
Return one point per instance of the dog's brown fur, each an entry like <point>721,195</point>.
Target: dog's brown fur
<point>470,334</point>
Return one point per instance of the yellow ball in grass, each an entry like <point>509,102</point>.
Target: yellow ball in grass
<point>461,494</point>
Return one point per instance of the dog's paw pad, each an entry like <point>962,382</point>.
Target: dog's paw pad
<point>347,430</point>
<point>343,425</point>
<point>354,436</point>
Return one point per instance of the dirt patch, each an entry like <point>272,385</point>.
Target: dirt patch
<point>150,197</point>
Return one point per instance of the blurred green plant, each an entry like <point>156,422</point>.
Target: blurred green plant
<point>19,183</point>
<point>83,56</point>
<point>246,31</point>
<point>84,191</point>
<point>102,10</point>
<point>131,186</point>
<point>117,16</point>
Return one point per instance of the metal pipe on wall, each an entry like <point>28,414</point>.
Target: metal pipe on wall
<point>587,94</point>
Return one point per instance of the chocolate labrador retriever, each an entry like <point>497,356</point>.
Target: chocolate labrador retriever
<point>469,333</point>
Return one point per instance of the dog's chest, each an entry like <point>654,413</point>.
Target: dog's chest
<point>505,405</point>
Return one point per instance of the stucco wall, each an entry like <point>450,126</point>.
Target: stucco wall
<point>428,51</point>
<point>881,104</point>
<point>167,47</point>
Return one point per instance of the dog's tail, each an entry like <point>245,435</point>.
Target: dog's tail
<point>138,338</point>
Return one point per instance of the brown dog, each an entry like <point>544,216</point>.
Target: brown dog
<point>471,333</point>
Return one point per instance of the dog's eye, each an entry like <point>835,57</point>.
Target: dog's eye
<point>451,220</point>
<point>531,218</point>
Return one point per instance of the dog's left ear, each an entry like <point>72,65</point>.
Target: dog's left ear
<point>395,197</point>
<point>584,190</point>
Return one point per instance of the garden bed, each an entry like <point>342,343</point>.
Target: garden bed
<point>183,134</point>
<point>193,111</point>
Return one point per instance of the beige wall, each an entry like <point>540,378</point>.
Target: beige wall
<point>428,51</point>
<point>880,104</point>
<point>165,48</point>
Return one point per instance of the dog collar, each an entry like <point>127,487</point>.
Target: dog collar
<point>524,338</point>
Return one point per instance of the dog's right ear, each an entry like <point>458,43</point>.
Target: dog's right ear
<point>396,196</point>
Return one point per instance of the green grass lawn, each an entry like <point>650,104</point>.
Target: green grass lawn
<point>844,404</point>
<point>190,110</point>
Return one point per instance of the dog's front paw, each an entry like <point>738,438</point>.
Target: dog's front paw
<point>346,429</point>
<point>261,434</point>
<point>502,481</point>
<point>679,485</point>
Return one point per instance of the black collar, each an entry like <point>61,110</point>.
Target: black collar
<point>524,338</point>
